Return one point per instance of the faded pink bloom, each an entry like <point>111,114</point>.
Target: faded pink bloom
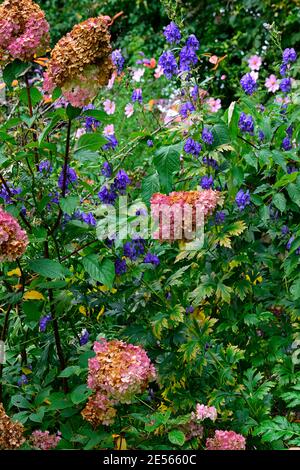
<point>254,75</point>
<point>223,77</point>
<point>109,130</point>
<point>214,104</point>
<point>203,412</point>
<point>43,440</point>
<point>111,81</point>
<point>129,110</point>
<point>109,106</point>
<point>272,84</point>
<point>137,75</point>
<point>13,240</point>
<point>213,59</point>
<point>159,71</point>
<point>226,440</point>
<point>254,62</point>
<point>282,100</point>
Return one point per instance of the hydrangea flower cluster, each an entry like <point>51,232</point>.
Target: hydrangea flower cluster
<point>176,215</point>
<point>13,240</point>
<point>43,440</point>
<point>117,373</point>
<point>204,412</point>
<point>226,440</point>
<point>24,31</point>
<point>11,433</point>
<point>81,62</point>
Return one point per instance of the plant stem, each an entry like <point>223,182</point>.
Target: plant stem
<point>66,162</point>
<point>30,107</point>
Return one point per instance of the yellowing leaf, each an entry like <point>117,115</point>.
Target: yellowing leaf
<point>33,295</point>
<point>100,313</point>
<point>82,310</point>
<point>103,288</point>
<point>14,272</point>
<point>120,443</point>
<point>236,228</point>
<point>224,240</point>
<point>26,371</point>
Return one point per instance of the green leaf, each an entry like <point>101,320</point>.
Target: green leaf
<point>21,417</point>
<point>69,204</point>
<point>71,370</point>
<point>48,268</point>
<point>166,162</point>
<point>35,95</point>
<point>20,402</point>
<point>176,437</point>
<point>91,142</point>
<point>150,185</point>
<point>279,201</point>
<point>80,394</point>
<point>99,115</point>
<point>221,135</point>
<point>13,70</point>
<point>295,290</point>
<point>294,193</point>
<point>104,272</point>
<point>72,112</point>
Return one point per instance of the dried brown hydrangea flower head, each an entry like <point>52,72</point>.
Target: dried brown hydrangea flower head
<point>80,62</point>
<point>24,31</point>
<point>11,433</point>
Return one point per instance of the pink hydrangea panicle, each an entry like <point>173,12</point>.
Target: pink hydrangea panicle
<point>13,240</point>
<point>203,412</point>
<point>226,440</point>
<point>117,373</point>
<point>24,31</point>
<point>43,440</point>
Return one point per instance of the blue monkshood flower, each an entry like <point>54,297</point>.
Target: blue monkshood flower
<point>283,70</point>
<point>285,85</point>
<point>285,230</point>
<point>107,196</point>
<point>168,63</point>
<point>45,167</point>
<point>121,181</point>
<point>23,380</point>
<point>192,147</point>
<point>195,93</point>
<point>189,309</point>
<point>84,337</point>
<point>206,182</point>
<point>6,195</point>
<point>172,33</point>
<point>211,162</point>
<point>44,322</point>
<point>137,95</point>
<point>291,169</point>
<point>219,217</point>
<point>289,243</point>
<point>286,144</point>
<point>106,170</point>
<point>109,242</point>
<point>23,210</point>
<point>192,42</point>
<point>246,123</point>
<point>289,131</point>
<point>90,123</point>
<point>134,248</point>
<point>248,84</point>
<point>71,178</point>
<point>150,143</point>
<point>168,295</point>
<point>118,60</point>
<point>289,55</point>
<point>87,218</point>
<point>120,266</point>
<point>187,58</point>
<point>186,109</point>
<point>150,258</point>
<point>242,199</point>
<point>111,144</point>
<point>207,136</point>
<point>261,136</point>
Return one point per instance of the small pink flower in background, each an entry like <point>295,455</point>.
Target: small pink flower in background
<point>203,411</point>
<point>159,71</point>
<point>282,100</point>
<point>214,104</point>
<point>109,106</point>
<point>272,84</point>
<point>111,81</point>
<point>109,130</point>
<point>226,440</point>
<point>80,132</point>
<point>137,75</point>
<point>213,59</point>
<point>129,110</point>
<point>43,440</point>
<point>254,75</point>
<point>223,77</point>
<point>254,62</point>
